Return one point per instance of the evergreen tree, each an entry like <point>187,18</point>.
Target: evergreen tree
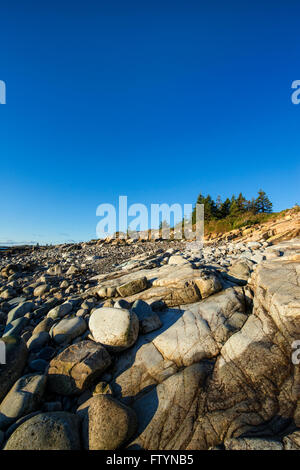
<point>210,210</point>
<point>234,208</point>
<point>218,202</point>
<point>218,207</point>
<point>232,202</point>
<point>200,200</point>
<point>241,203</point>
<point>225,208</point>
<point>263,203</point>
<point>251,206</point>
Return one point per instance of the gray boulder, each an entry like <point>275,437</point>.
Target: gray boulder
<point>15,327</point>
<point>208,284</point>
<point>19,311</point>
<point>60,310</point>
<point>148,320</point>
<point>38,341</point>
<point>16,356</point>
<point>44,325</point>
<point>47,431</point>
<point>241,270</point>
<point>68,329</point>
<point>24,397</point>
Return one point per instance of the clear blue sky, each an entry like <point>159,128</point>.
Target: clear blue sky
<point>156,100</point>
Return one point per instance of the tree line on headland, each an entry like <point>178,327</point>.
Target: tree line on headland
<point>216,210</point>
<point>234,212</point>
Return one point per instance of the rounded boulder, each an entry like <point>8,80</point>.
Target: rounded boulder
<point>115,328</point>
<point>47,431</point>
<point>106,423</point>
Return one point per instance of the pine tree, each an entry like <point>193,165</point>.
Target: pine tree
<point>263,203</point>
<point>251,206</point>
<point>200,200</point>
<point>218,202</point>
<point>218,207</point>
<point>210,210</point>
<point>234,208</point>
<point>241,203</point>
<point>225,208</point>
<point>232,202</point>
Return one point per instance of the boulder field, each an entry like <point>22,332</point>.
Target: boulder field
<point>160,345</point>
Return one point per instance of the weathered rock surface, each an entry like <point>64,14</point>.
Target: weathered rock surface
<point>253,380</point>
<point>186,337</point>
<point>252,444</point>
<point>208,284</point>
<point>107,424</point>
<point>241,270</point>
<point>172,296</point>
<point>172,285</point>
<point>132,287</point>
<point>166,412</point>
<point>292,441</point>
<point>47,431</point>
<point>73,370</point>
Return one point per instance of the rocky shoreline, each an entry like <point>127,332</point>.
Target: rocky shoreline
<point>150,345</point>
